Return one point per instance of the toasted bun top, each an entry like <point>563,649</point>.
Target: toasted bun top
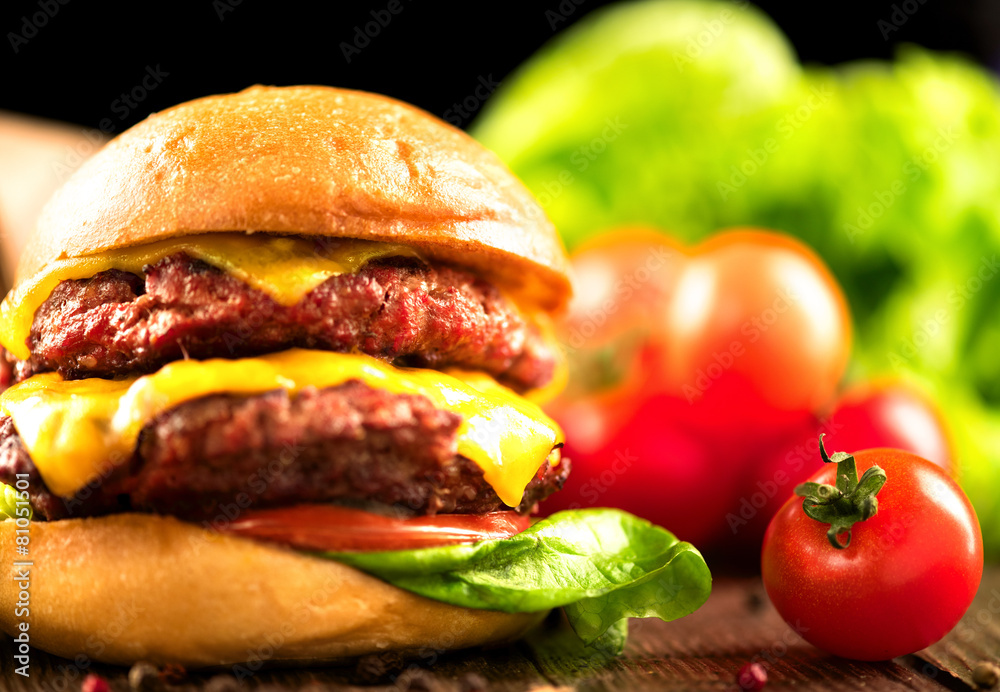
<point>309,160</point>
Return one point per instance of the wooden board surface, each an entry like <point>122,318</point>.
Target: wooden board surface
<point>700,652</point>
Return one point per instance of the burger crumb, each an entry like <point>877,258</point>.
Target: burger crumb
<point>173,674</point>
<point>94,683</point>
<point>222,683</point>
<point>143,677</point>
<point>472,682</point>
<point>985,674</point>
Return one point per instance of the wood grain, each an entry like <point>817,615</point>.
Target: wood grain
<point>701,652</point>
<point>974,640</point>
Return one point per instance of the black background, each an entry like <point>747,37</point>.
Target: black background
<point>432,54</point>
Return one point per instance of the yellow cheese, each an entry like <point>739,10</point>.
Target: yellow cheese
<point>286,268</point>
<point>74,429</point>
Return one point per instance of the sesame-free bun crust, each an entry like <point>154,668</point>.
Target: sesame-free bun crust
<point>133,587</point>
<point>310,160</point>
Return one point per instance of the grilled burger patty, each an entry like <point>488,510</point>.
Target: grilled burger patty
<point>403,311</point>
<point>350,444</point>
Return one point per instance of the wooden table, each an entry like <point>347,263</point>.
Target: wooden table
<point>700,652</point>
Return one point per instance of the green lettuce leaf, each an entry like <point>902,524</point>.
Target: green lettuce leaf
<point>8,503</point>
<point>695,115</point>
<point>601,565</point>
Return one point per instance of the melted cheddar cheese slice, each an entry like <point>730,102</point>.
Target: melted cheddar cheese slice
<point>75,429</point>
<point>286,268</point>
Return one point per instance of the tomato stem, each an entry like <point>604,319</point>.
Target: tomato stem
<point>850,501</point>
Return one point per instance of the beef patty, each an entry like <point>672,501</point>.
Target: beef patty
<point>402,311</point>
<point>348,444</point>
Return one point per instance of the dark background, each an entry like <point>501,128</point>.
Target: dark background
<point>79,62</point>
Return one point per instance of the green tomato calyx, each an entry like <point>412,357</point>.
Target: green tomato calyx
<point>845,504</point>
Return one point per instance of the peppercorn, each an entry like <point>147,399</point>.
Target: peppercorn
<point>985,674</point>
<point>143,677</point>
<point>752,677</point>
<point>94,683</point>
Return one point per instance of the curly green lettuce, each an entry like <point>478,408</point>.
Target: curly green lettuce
<point>695,115</point>
<point>601,566</point>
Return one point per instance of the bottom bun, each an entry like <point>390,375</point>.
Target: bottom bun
<point>136,587</point>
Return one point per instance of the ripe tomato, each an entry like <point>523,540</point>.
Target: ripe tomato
<point>769,477</point>
<point>749,327</point>
<point>759,334</point>
<point>614,348</point>
<point>904,580</point>
<point>331,527</point>
<point>890,414</point>
<point>695,356</point>
<point>653,470</point>
<point>883,414</point>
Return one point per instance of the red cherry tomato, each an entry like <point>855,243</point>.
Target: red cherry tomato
<point>653,470</point>
<point>758,333</point>
<point>883,414</point>
<point>696,356</point>
<point>769,478</point>
<point>904,580</point>
<point>890,414</point>
<point>621,279</point>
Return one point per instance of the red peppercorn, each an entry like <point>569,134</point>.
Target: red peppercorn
<point>173,673</point>
<point>752,677</point>
<point>94,683</point>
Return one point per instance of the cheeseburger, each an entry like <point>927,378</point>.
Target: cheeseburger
<point>270,362</point>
